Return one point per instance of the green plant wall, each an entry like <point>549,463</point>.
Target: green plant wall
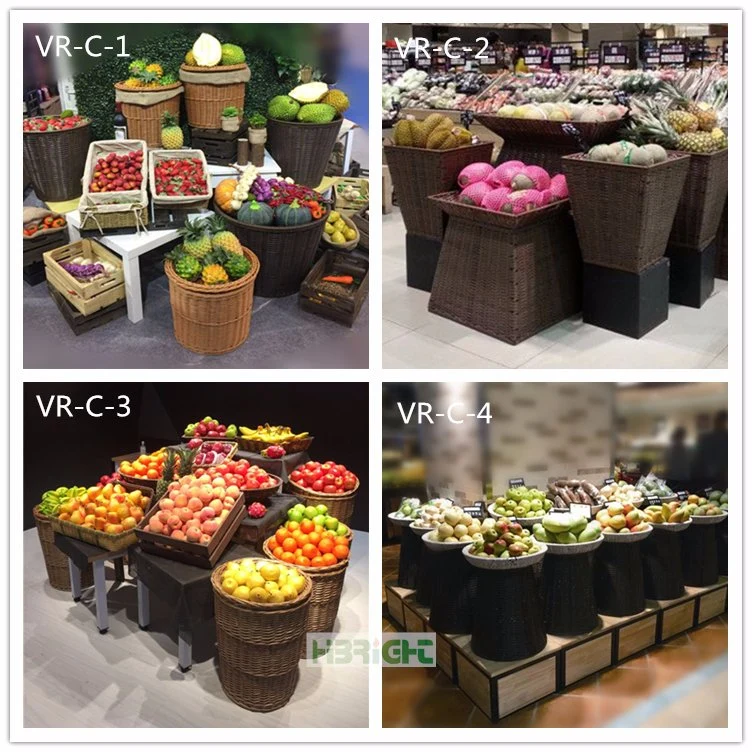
<point>95,93</point>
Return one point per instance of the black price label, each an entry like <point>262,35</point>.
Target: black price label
<point>652,499</point>
<point>516,482</point>
<point>615,54</point>
<point>682,495</point>
<point>475,512</point>
<point>672,54</point>
<point>594,57</point>
<point>533,56</point>
<point>562,55</point>
<point>608,481</point>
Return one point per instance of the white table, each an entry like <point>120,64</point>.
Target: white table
<point>270,169</point>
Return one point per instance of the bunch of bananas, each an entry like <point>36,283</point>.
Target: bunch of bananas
<point>271,434</point>
<point>51,500</point>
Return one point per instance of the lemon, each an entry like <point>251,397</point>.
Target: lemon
<point>233,566</point>
<point>241,577</point>
<point>248,564</point>
<point>228,585</point>
<point>334,216</point>
<point>328,228</point>
<point>338,237</point>
<point>298,583</point>
<point>258,595</point>
<point>288,592</point>
<point>271,586</point>
<point>350,234</point>
<point>276,597</point>
<point>255,580</point>
<point>340,225</point>
<point>269,571</point>
<point>282,577</point>
<point>243,593</point>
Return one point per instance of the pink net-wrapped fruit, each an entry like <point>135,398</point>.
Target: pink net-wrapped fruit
<point>503,174</point>
<point>495,199</point>
<point>476,172</point>
<point>474,193</point>
<point>541,179</point>
<point>559,188</point>
<point>518,202</point>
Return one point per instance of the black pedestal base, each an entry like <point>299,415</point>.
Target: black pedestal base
<point>721,535</point>
<point>507,615</point>
<point>617,578</point>
<point>409,560</point>
<point>426,575</point>
<point>453,593</point>
<point>570,598</point>
<point>699,553</point>
<point>661,565</point>
<point>626,303</point>
<point>692,275</point>
<point>422,255</point>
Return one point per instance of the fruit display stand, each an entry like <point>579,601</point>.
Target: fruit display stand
<point>220,147</point>
<point>340,506</point>
<point>508,276</point>
<point>259,646</point>
<point>721,248</point>
<point>617,575</point>
<point>544,142</point>
<point>417,174</point>
<point>34,246</point>
<point>699,551</point>
<point>661,561</point>
<point>55,561</point>
<point>54,160</point>
<point>410,552</point>
<point>185,588</point>
<point>507,613</point>
<point>454,588</point>
<point>208,90</point>
<point>286,254</point>
<point>212,319</point>
<point>722,545</point>
<point>143,109</point>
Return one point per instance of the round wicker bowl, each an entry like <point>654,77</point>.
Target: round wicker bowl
<point>302,150</point>
<point>54,161</point>
<point>340,506</point>
<point>212,319</point>
<point>143,482</point>
<point>260,494</point>
<point>291,447</point>
<point>259,645</point>
<point>492,562</point>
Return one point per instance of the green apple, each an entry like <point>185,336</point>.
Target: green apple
<point>331,523</point>
<point>311,512</point>
<point>320,519</point>
<point>342,529</point>
<point>295,515</point>
<point>322,508</point>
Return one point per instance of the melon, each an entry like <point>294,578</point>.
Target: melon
<point>600,153</point>
<point>474,173</point>
<point>541,179</point>
<point>521,181</point>
<point>640,157</point>
<point>558,187</point>
<point>507,110</point>
<point>495,198</point>
<point>658,152</point>
<point>546,197</point>
<point>207,51</point>
<point>504,173</point>
<point>518,202</point>
<point>474,193</point>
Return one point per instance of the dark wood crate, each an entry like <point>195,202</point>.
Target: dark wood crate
<point>34,247</point>
<point>34,274</point>
<point>196,554</point>
<point>338,302</point>
<point>79,323</point>
<point>361,222</point>
<point>256,531</point>
<point>219,147</point>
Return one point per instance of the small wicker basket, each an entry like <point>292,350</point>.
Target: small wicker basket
<point>205,100</point>
<point>340,506</point>
<point>145,120</point>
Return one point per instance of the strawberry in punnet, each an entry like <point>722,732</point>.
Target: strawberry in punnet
<point>180,177</point>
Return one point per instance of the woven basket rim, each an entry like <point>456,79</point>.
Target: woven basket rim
<point>241,605</point>
<point>270,443</point>
<point>234,286</point>
<point>39,515</point>
<point>212,68</point>
<point>270,228</point>
<point>672,158</point>
<point>323,571</point>
<point>271,475</point>
<point>435,151</point>
<point>119,85</point>
<point>708,155</point>
<point>336,119</point>
<point>333,497</point>
<point>133,480</point>
<point>54,133</point>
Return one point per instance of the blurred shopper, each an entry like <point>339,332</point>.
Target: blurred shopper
<point>678,460</point>
<point>711,455</point>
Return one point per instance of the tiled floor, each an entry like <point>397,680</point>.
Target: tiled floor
<point>680,684</point>
<point>413,337</point>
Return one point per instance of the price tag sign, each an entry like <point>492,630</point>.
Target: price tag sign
<point>533,56</point>
<point>652,499</point>
<point>615,54</point>
<point>562,55</point>
<point>608,481</point>
<point>477,511</point>
<point>682,495</point>
<point>584,509</point>
<point>672,54</point>
<point>652,56</point>
<point>594,57</point>
<point>513,482</point>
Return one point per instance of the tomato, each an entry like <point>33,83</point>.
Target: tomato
<point>290,544</point>
<point>317,561</point>
<point>329,560</point>
<point>288,558</point>
<point>314,537</point>
<point>302,561</point>
<point>307,526</point>
<point>303,539</point>
<point>310,550</point>
<point>277,552</point>
<point>318,485</point>
<point>281,535</point>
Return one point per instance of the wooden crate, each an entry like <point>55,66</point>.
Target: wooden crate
<point>196,554</point>
<point>36,246</point>
<point>350,206</point>
<point>338,302</point>
<point>360,220</point>
<point>78,323</point>
<point>87,297</point>
<point>34,274</point>
<point>219,147</point>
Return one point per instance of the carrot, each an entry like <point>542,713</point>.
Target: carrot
<point>345,279</point>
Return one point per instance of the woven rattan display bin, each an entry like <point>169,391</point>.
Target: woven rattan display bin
<point>701,205</point>
<point>325,594</point>
<point>340,506</point>
<point>54,161</point>
<point>212,319</point>
<point>205,99</point>
<point>286,254</point>
<point>420,173</point>
<point>508,276</point>
<point>145,120</point>
<point>623,213</point>
<point>259,646</point>
<point>302,150</point>
<point>55,561</point>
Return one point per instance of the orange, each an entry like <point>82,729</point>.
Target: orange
<point>314,538</point>
<point>280,535</point>
<point>340,540</point>
<point>341,552</point>
<point>303,540</point>
<point>152,473</point>
<point>317,561</point>
<point>277,552</point>
<point>326,545</point>
<point>318,528</point>
<point>288,557</point>
<point>329,559</point>
<point>290,544</point>
<point>292,525</point>
<point>307,526</point>
<point>302,561</point>
<point>329,534</point>
<point>310,551</point>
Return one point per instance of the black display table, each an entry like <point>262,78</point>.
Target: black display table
<point>699,554</point>
<point>570,598</point>
<point>507,623</point>
<point>453,591</point>
<point>185,588</point>
<point>80,555</point>
<point>426,572</point>
<point>617,576</point>
<point>661,562</point>
<point>721,531</point>
<point>409,558</point>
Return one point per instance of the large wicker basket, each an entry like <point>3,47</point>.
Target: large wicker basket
<point>420,173</point>
<point>259,646</point>
<point>205,99</point>
<point>623,213</point>
<point>508,276</point>
<point>286,253</point>
<point>55,560</point>
<point>55,161</point>
<point>325,594</point>
<point>145,120</point>
<point>340,506</point>
<point>702,201</point>
<point>302,150</point>
<point>212,319</point>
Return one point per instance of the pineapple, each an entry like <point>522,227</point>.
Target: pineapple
<point>148,78</point>
<point>720,139</point>
<point>682,121</point>
<point>168,474</point>
<point>237,266</point>
<point>172,133</point>
<point>214,274</point>
<point>137,66</point>
<point>697,143</point>
<point>188,267</point>
<point>705,114</point>
<point>223,239</point>
<point>195,240</point>
<point>132,82</point>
